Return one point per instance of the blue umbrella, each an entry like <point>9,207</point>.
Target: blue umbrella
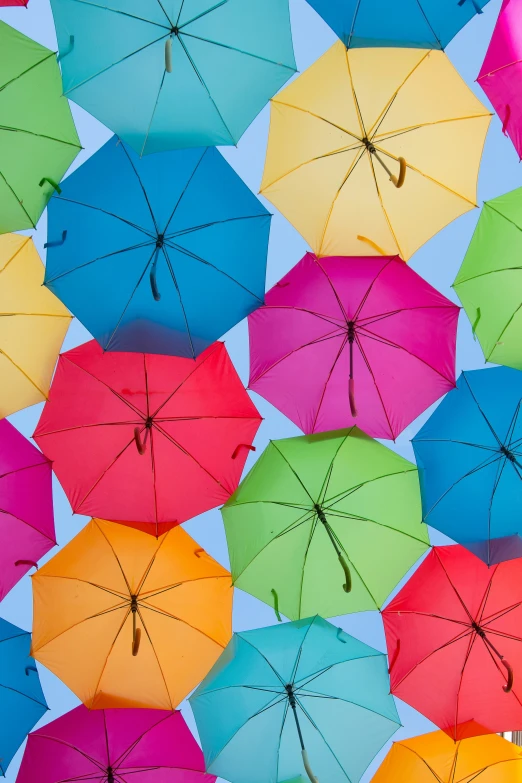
<point>22,702</point>
<point>469,455</point>
<point>294,699</point>
<point>157,255</point>
<point>166,74</point>
<point>430,24</point>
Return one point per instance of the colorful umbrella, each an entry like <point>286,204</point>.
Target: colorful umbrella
<point>501,71</point>
<point>435,757</point>
<point>22,702</point>
<point>361,23</point>
<point>114,746</point>
<point>469,455</point>
<point>312,501</point>
<point>160,248</point>
<point>127,620</point>
<point>361,123</point>
<point>35,157</point>
<point>26,506</point>
<point>294,697</point>
<point>5,3</point>
<point>144,439</point>
<point>489,283</point>
<point>454,643</point>
<point>33,324</point>
<point>353,329</point>
<point>187,73</point>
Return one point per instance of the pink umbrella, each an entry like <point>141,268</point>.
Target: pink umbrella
<point>26,506</point>
<point>114,746</point>
<point>501,74</point>
<point>345,341</point>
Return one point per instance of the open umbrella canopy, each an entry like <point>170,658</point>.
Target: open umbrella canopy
<point>26,506</point>
<point>489,282</point>
<point>144,439</point>
<point>358,125</point>
<point>469,455</point>
<point>5,3</point>
<point>182,73</point>
<point>33,324</point>
<point>316,506</point>
<point>501,71</point>
<point>34,157</point>
<point>359,330</point>
<point>455,645</point>
<point>285,699</point>
<point>127,620</point>
<point>435,757</point>
<point>114,746</point>
<point>22,702</point>
<point>146,252</point>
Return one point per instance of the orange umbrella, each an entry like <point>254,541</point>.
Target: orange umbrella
<point>129,620</point>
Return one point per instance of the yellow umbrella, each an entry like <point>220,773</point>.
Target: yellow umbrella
<point>436,758</point>
<point>33,324</point>
<point>374,150</point>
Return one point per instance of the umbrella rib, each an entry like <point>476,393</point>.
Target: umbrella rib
<point>111,648</point>
<point>264,658</point>
<point>25,695</point>
<point>461,680</point>
<point>44,395</point>
<point>118,762</point>
<point>116,558</point>
<point>368,292</point>
<point>203,13</point>
<point>19,202</point>
<point>334,291</point>
<point>321,316</point>
<point>307,715</point>
<point>170,616</point>
<point>500,68</point>
<point>354,567</point>
<point>369,368</point>
<point>95,260</point>
<point>401,131</point>
<point>429,25</point>
<point>381,201</point>
<point>69,745</point>
<point>328,378</point>
<point>142,186</point>
<point>347,492</point>
<point>371,319</point>
<point>281,729</point>
<point>149,565</point>
<point>500,469</point>
<point>299,652</point>
<point>195,369</point>
<point>11,129</point>
<point>411,750</point>
<point>328,336</point>
<point>28,524</point>
<point>497,665</point>
<point>123,13</point>
<point>497,615</point>
<point>502,634</point>
<point>169,20</point>
<point>113,391</point>
<point>274,444</point>
<point>37,315</point>
<point>88,426</point>
<point>456,638</point>
<point>481,411</point>
<point>187,454</point>
<point>350,171</point>
<point>190,229</point>
<point>326,483</point>
<point>48,56</point>
<point>176,286</point>
<point>153,468</point>
<point>187,184</point>
<point>380,119</point>
<point>352,86</point>
<point>84,620</point>
<point>352,27</point>
<point>149,126</point>
<point>513,424</point>
<point>453,587</point>
<point>310,537</point>
<point>106,734</point>
<point>157,659</point>
<point>105,212</point>
<point>460,442</point>
<point>16,253</point>
<point>147,597</point>
<point>103,474</point>
<point>235,49</point>
<point>504,330</point>
<point>121,596</point>
<point>417,613</point>
<point>346,515</point>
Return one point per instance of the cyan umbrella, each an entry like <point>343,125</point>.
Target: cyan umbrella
<point>165,74</point>
<point>469,456</point>
<point>22,702</point>
<point>294,699</point>
<point>430,24</point>
<point>157,255</point>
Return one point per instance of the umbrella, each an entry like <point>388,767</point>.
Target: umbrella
<point>114,746</point>
<point>322,511</point>
<point>469,455</point>
<point>22,702</point>
<point>359,125</point>
<point>127,620</point>
<point>361,23</point>
<point>33,324</point>
<point>35,157</point>
<point>501,71</point>
<point>488,283</point>
<point>172,249</point>
<point>434,757</point>
<point>144,439</point>
<point>454,643</point>
<point>187,73</point>
<point>286,700</point>
<point>5,3</point>
<point>26,506</point>
<point>359,330</point>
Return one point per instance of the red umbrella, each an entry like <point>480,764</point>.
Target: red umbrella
<point>454,637</point>
<point>148,439</point>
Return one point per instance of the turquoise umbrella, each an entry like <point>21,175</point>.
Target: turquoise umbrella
<point>286,700</point>
<point>165,74</point>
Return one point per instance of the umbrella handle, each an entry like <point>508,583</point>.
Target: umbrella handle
<point>476,6</point>
<point>168,55</point>
<point>395,656</point>
<point>276,605</point>
<point>399,181</point>
<point>307,766</point>
<point>375,246</point>
<point>475,323</point>
<point>68,50</point>
<point>137,439</point>
<point>348,584</point>
<point>507,118</point>
<point>152,277</point>
<point>30,669</point>
<point>27,562</point>
<point>507,687</point>
<point>57,242</point>
<point>351,396</point>
<point>51,182</point>
<point>242,446</point>
<point>136,642</point>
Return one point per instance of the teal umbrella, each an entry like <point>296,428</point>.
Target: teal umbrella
<point>165,74</point>
<point>286,700</point>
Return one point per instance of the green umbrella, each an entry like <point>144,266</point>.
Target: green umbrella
<point>38,140</point>
<point>489,282</point>
<point>316,506</point>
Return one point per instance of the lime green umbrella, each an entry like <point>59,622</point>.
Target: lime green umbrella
<point>326,523</point>
<point>489,282</point>
<point>38,140</point>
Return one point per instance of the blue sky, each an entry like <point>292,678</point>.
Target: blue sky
<point>438,262</point>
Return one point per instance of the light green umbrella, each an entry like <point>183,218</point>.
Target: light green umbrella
<point>325,523</point>
<point>489,282</point>
<point>38,140</point>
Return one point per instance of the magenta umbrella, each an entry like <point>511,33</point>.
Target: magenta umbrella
<point>501,74</point>
<point>26,506</point>
<point>114,746</point>
<point>343,341</point>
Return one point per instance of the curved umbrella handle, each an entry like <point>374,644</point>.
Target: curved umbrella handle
<point>508,686</point>
<point>351,396</point>
<point>31,563</point>
<point>137,439</point>
<point>276,605</point>
<point>52,183</point>
<point>399,181</point>
<point>30,669</point>
<point>66,51</point>
<point>57,242</point>
<point>395,656</point>
<point>307,766</point>
<point>507,118</point>
<point>136,642</point>
<point>153,283</point>
<point>168,55</point>
<point>373,244</point>
<point>348,584</point>
<point>242,446</point>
